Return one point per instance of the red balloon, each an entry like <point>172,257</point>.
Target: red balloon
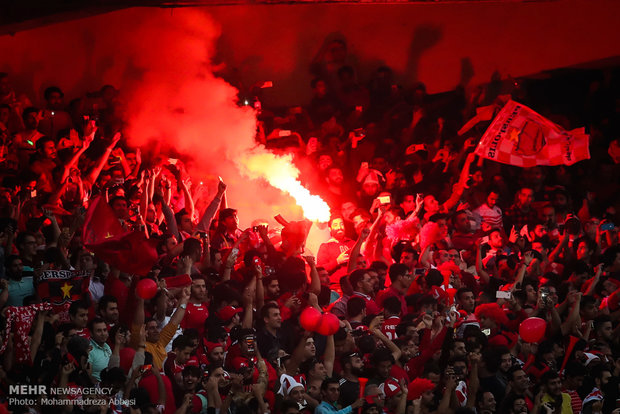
<point>329,324</point>
<point>310,319</point>
<point>146,288</point>
<point>532,329</point>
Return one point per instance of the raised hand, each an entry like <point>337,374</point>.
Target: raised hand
<point>310,260</point>
<point>221,186</point>
<point>365,233</point>
<point>343,257</point>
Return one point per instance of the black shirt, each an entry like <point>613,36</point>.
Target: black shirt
<point>349,392</point>
<point>269,345</point>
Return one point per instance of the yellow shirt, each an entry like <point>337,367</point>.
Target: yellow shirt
<point>158,349</point>
<point>567,407</point>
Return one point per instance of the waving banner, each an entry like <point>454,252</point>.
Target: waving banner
<point>521,137</point>
<point>62,286</point>
<point>128,251</point>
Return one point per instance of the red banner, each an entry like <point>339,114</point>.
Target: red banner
<point>128,251</point>
<point>521,137</point>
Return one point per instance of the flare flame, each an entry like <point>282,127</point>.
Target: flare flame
<point>281,173</point>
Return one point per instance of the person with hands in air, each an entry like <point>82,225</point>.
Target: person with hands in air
<point>157,339</point>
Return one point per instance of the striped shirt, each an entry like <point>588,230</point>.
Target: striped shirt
<point>491,216</point>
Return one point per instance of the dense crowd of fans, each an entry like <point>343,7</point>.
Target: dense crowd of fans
<point>435,259</point>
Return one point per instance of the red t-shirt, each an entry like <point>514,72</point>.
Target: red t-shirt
<point>389,327</point>
<point>371,306</point>
<point>84,333</point>
<point>149,382</point>
<point>171,368</point>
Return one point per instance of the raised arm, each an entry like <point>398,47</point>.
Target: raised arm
<point>330,356</point>
<point>207,217</point>
<point>93,174</point>
<point>479,266</point>
<point>248,301</point>
<point>372,240</point>
<point>136,169</point>
<point>563,245</point>
<point>457,189</point>
<point>187,196</point>
<point>375,329</point>
<point>315,280</point>
<point>171,221</point>
<point>76,156</point>
<point>355,251</point>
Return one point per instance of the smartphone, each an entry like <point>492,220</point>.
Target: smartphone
<point>608,226</point>
<point>145,368</point>
<point>284,133</point>
<point>33,193</point>
<point>173,161</point>
<point>249,341</point>
<point>500,294</point>
<point>487,332</point>
<point>419,271</point>
<point>384,199</point>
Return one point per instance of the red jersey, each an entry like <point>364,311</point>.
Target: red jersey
<point>84,333</point>
<point>149,382</point>
<point>389,327</point>
<point>371,306</point>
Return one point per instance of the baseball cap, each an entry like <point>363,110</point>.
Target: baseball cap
<point>227,312</point>
<point>390,388</point>
<point>211,345</point>
<point>239,364</point>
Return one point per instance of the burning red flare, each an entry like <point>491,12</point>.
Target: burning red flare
<point>280,172</point>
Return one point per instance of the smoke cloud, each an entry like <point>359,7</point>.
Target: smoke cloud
<point>162,62</point>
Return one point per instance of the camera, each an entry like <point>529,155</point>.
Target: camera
<point>249,341</point>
